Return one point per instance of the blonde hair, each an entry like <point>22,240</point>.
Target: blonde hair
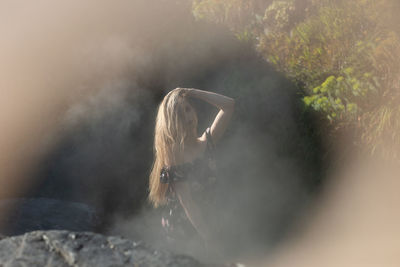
<point>172,131</point>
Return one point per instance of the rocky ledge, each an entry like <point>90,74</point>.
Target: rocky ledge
<point>65,248</point>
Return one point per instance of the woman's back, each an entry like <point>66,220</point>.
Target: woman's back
<point>185,182</point>
<point>199,174</point>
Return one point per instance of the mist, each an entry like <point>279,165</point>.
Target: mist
<point>80,86</point>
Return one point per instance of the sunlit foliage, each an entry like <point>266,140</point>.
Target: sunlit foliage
<point>241,16</point>
<point>342,55</point>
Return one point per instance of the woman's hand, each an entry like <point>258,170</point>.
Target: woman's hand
<point>189,92</point>
<point>185,91</point>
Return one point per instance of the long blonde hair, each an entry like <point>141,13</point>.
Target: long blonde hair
<point>172,131</point>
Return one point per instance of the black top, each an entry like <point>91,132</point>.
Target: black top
<point>200,175</point>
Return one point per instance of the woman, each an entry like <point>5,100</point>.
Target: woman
<point>183,174</point>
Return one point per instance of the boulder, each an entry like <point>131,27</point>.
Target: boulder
<point>66,248</point>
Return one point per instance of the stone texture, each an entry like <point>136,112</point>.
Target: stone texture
<point>65,248</point>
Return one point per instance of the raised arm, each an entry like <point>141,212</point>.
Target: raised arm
<point>225,105</point>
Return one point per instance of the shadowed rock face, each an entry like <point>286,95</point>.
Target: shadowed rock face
<point>64,248</point>
<point>26,215</point>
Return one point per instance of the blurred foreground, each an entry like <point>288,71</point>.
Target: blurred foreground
<point>355,224</point>
<point>53,58</point>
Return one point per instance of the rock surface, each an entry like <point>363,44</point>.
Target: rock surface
<point>65,248</point>
<point>32,214</point>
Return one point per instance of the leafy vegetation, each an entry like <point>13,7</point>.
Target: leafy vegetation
<point>342,55</point>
